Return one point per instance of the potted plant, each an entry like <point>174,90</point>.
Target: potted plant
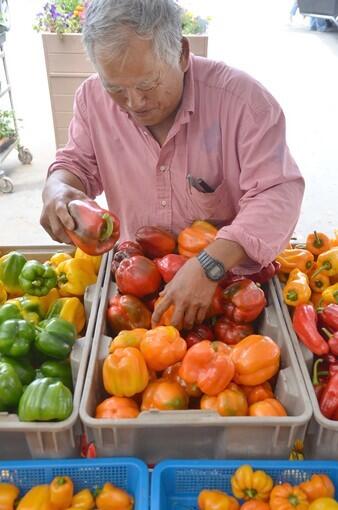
<point>60,23</point>
<point>7,131</point>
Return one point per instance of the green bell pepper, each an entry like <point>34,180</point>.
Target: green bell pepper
<point>22,367</point>
<point>10,387</point>
<point>9,311</point>
<point>37,279</point>
<point>11,265</point>
<point>16,337</point>
<point>55,338</point>
<point>45,400</point>
<point>60,370</point>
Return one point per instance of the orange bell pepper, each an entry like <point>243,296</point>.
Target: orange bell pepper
<point>319,486</point>
<point>117,408</point>
<point>164,395</point>
<point>317,243</point>
<point>296,258</point>
<point>297,290</point>
<point>61,492</point>
<point>232,401</point>
<point>334,240</point>
<point>255,504</point>
<point>125,372</point>
<point>8,495</point>
<point>162,347</point>
<point>192,240</point>
<point>172,373</point>
<point>319,283</point>
<point>37,498</point>
<point>167,317</point>
<point>216,500</point>
<point>256,360</point>
<point>249,484</point>
<point>128,338</point>
<point>267,407</point>
<point>208,403</point>
<point>324,504</point>
<point>257,393</point>
<point>83,500</point>
<point>330,295</point>
<point>327,262</point>
<point>317,300</point>
<point>209,366</point>
<point>113,498</point>
<point>286,497</point>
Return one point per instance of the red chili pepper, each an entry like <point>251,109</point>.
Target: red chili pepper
<point>328,402</point>
<point>319,377</point>
<point>244,301</point>
<point>333,341</point>
<point>305,325</point>
<point>230,332</point>
<point>332,361</point>
<point>329,316</point>
<point>197,334</point>
<point>96,229</point>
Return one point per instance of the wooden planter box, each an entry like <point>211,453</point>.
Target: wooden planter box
<point>68,66</point>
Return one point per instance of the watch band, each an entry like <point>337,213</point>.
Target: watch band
<point>213,268</point>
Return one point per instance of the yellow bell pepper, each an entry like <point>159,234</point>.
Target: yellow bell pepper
<point>113,498</point>
<point>324,504</point>
<point>57,258</point>
<point>297,290</point>
<point>29,307</point>
<point>61,492</point>
<point>37,498</point>
<point>74,276</point>
<point>8,495</point>
<point>127,338</point>
<point>125,372</point>
<point>94,260</point>
<point>295,258</point>
<point>70,309</point>
<point>83,500</point>
<point>249,484</point>
<point>47,301</point>
<point>330,295</point>
<point>327,262</point>
<point>3,293</point>
<point>216,500</point>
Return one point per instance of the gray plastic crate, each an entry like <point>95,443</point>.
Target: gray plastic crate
<point>21,440</point>
<point>319,7</point>
<point>156,435</point>
<point>321,441</point>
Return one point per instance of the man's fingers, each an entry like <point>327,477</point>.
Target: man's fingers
<point>178,315</point>
<point>201,313</point>
<point>58,231</point>
<point>62,213</point>
<point>159,310</point>
<point>190,316</point>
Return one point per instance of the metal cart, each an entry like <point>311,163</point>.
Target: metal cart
<point>24,155</point>
<point>327,9</point>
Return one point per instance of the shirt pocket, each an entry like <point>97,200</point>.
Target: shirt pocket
<point>208,206</point>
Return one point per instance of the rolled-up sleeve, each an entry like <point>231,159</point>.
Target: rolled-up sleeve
<point>78,156</point>
<point>271,185</point>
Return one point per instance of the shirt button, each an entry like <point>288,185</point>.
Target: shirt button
<point>163,168</point>
<point>164,203</point>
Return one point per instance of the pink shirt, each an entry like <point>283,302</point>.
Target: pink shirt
<point>229,131</point>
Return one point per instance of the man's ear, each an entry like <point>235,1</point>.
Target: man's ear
<point>184,59</point>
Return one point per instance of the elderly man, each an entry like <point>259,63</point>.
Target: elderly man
<point>171,138</point>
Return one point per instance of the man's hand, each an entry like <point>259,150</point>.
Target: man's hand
<point>59,190</point>
<point>191,293</point>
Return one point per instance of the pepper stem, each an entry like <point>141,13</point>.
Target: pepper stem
<point>36,283</point>
<point>327,332</point>
<point>62,278</point>
<point>107,227</point>
<point>316,373</point>
<point>61,480</point>
<point>292,295</point>
<point>326,266</point>
<point>250,493</point>
<point>318,242</point>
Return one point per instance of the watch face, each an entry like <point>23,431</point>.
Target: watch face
<point>216,272</point>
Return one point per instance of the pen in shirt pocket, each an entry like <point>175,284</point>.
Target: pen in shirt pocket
<point>199,184</point>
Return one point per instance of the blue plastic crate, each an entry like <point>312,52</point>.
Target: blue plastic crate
<point>176,484</point>
<point>128,473</point>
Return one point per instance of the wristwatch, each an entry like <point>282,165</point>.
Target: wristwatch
<point>213,268</point>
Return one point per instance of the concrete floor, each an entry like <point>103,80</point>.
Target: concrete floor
<point>298,66</point>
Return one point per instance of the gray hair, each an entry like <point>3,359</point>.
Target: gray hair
<point>108,24</point>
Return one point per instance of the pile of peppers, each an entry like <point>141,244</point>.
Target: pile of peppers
<point>41,315</point>
<point>310,274</point>
<point>59,494</point>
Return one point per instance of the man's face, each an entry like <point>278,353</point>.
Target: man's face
<point>148,89</point>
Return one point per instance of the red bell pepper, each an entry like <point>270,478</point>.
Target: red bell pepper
<point>197,334</point>
<point>138,276</point>
<point>328,401</point>
<point>169,265</point>
<point>125,250</point>
<point>244,301</point>
<point>230,332</point>
<point>127,312</point>
<point>329,316</point>
<point>305,325</point>
<point>155,241</point>
<point>96,229</point>
<point>217,304</point>
<point>266,273</point>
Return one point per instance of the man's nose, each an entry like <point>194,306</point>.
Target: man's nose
<point>135,100</point>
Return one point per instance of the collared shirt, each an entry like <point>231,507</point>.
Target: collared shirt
<point>228,131</point>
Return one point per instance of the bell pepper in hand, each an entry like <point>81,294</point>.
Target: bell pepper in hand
<point>197,334</point>
<point>60,370</point>
<point>330,294</point>
<point>37,498</point>
<point>295,258</point>
<point>244,301</point>
<point>137,276</point>
<point>165,395</point>
<point>55,338</point>
<point>319,486</point>
<point>249,484</point>
<point>113,498</point>
<point>125,372</point>
<point>45,399</point>
<point>61,492</point>
<point>169,265</point>
<point>11,265</point>
<point>37,279</point>
<point>304,322</point>
<point>96,229</point>
<point>328,316</point>
<point>231,332</point>
<point>216,500</point>
<point>317,243</point>
<point>9,311</point>
<point>297,290</point>
<point>94,260</point>
<point>83,500</point>
<point>10,387</point>
<point>117,408</point>
<point>16,337</point>
<point>256,359</point>
<point>74,276</point>
<point>69,309</point>
<point>162,346</point>
<point>127,312</point>
<point>155,241</point>
<point>287,497</point>
<point>327,262</point>
<point>267,407</point>
<point>192,240</point>
<point>8,495</point>
<point>209,366</point>
<point>328,402</point>
<point>22,367</point>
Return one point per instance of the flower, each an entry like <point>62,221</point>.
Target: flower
<point>61,16</point>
